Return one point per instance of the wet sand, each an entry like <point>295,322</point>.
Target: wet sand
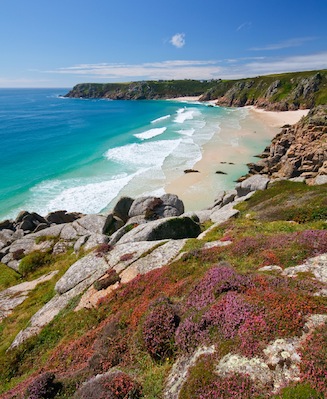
<point>229,151</point>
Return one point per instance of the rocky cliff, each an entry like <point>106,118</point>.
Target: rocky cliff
<point>289,91</point>
<point>298,151</point>
<point>141,90</point>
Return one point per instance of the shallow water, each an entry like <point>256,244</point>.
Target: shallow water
<point>81,155</point>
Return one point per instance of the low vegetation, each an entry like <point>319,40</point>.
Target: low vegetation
<point>214,296</point>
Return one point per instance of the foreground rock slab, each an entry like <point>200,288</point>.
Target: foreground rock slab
<point>14,296</point>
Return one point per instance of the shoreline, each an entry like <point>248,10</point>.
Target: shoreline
<point>257,129</point>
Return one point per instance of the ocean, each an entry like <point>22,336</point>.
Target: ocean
<point>81,155</point>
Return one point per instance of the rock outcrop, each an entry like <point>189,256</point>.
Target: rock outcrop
<point>298,151</point>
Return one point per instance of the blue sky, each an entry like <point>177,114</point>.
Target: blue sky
<point>46,43</point>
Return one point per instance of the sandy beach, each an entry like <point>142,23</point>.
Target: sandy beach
<point>227,154</point>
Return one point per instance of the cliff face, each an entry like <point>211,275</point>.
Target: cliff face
<point>275,93</point>
<point>141,90</point>
<point>280,92</point>
<point>297,151</point>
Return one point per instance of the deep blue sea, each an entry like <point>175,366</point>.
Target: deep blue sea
<point>80,155</point>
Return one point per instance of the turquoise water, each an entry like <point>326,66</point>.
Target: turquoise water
<point>79,155</point>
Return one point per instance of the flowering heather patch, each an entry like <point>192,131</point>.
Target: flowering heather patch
<point>190,333</point>
<point>123,387</point>
<point>285,304</point>
<point>218,279</point>
<point>43,387</point>
<point>235,386</point>
<point>314,360</point>
<point>314,240</point>
<point>247,246</point>
<point>229,314</point>
<point>159,328</point>
<point>253,335</point>
<point>112,385</point>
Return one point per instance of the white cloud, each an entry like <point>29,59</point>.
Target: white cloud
<point>195,69</point>
<point>178,40</point>
<point>171,69</point>
<point>243,26</point>
<point>296,42</point>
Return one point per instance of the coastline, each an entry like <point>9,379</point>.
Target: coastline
<point>256,130</point>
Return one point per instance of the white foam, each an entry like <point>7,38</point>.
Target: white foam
<point>186,114</point>
<point>186,132</point>
<point>148,134</point>
<point>162,118</point>
<point>145,154</point>
<point>77,194</point>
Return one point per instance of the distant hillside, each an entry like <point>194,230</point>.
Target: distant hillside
<point>142,90</point>
<point>288,91</point>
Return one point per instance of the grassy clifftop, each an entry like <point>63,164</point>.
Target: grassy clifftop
<point>141,90</point>
<point>282,92</point>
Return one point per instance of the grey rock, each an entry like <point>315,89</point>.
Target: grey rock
<point>18,233</point>
<point>223,214</point>
<point>123,255</point>
<point>59,217</point>
<point>61,247</point>
<point>112,224</point>
<point>68,232</point>
<point>52,231</point>
<point>228,197</point>
<point>316,265</point>
<point>174,228</point>
<point>40,227</point>
<point>26,244</point>
<point>140,206</point>
<point>13,264</point>
<point>253,183</point>
<point>7,225</point>
<point>27,225</point>
<point>6,237</point>
<point>180,369</point>
<point>47,313</point>
<point>321,179</point>
<point>90,223</point>
<point>167,205</point>
<point>172,206</point>
<point>202,216</point>
<point>21,216</point>
<point>80,242</point>
<point>95,240</point>
<point>15,295</point>
<point>219,199</point>
<point>89,267</point>
<point>158,258</point>
<point>123,207</point>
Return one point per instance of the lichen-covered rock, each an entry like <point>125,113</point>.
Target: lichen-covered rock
<point>168,228</point>
<point>90,265</point>
<point>179,371</point>
<point>150,208</point>
<point>253,183</point>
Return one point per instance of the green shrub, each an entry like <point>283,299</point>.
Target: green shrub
<point>34,261</point>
